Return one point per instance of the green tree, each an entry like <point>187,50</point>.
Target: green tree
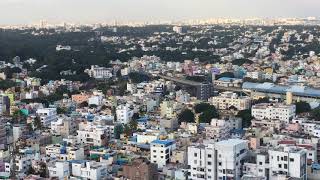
<point>246,117</point>
<point>207,115</point>
<point>201,107</point>
<point>315,114</point>
<point>186,116</point>
<point>302,107</point>
<point>133,124</point>
<point>61,110</point>
<point>118,130</point>
<point>37,123</point>
<point>127,130</point>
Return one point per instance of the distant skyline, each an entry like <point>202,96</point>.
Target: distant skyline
<point>91,11</point>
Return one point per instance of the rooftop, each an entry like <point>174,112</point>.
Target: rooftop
<point>273,88</point>
<point>163,142</point>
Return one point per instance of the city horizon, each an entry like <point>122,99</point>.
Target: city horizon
<point>19,12</point>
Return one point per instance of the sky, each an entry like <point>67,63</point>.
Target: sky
<point>90,11</point>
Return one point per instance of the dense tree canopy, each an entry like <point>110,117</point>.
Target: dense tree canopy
<point>186,116</point>
<point>302,107</point>
<point>246,117</point>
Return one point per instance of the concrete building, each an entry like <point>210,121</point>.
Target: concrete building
<point>64,153</point>
<point>167,109</point>
<point>124,113</point>
<point>47,115</point>
<point>288,161</point>
<point>227,100</point>
<point>59,169</point>
<point>64,127</point>
<point>218,129</point>
<point>93,134</point>
<point>140,169</point>
<point>99,72</point>
<point>220,160</point>
<point>88,170</point>
<point>276,111</point>
<point>161,151</point>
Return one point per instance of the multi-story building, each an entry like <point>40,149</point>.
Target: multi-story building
<point>88,170</point>
<point>124,113</point>
<point>276,111</point>
<point>99,72</point>
<point>140,169</point>
<point>289,161</point>
<point>59,169</point>
<point>64,153</point>
<point>227,100</point>
<point>93,134</point>
<point>282,162</point>
<point>64,127</point>
<point>167,109</point>
<point>220,160</point>
<point>218,129</point>
<point>47,115</point>
<point>161,151</point>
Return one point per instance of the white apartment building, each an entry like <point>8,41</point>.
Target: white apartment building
<point>47,115</point>
<point>161,151</point>
<point>64,153</point>
<point>147,137</point>
<point>23,160</point>
<point>59,169</point>
<point>93,134</point>
<point>220,160</point>
<point>276,111</point>
<point>226,100</point>
<point>308,127</point>
<point>99,72</point>
<point>124,113</point>
<point>218,129</point>
<point>95,100</point>
<point>88,170</point>
<point>259,167</point>
<point>290,161</point>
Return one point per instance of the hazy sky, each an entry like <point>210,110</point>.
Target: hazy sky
<point>30,11</point>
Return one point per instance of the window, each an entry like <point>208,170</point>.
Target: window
<point>209,155</point>
<point>209,163</point>
<point>279,165</point>
<point>285,166</point>
<point>260,163</point>
<point>220,163</point>
<point>285,158</point>
<point>195,154</point>
<point>291,160</point>
<point>195,162</point>
<point>260,170</point>
<point>209,170</point>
